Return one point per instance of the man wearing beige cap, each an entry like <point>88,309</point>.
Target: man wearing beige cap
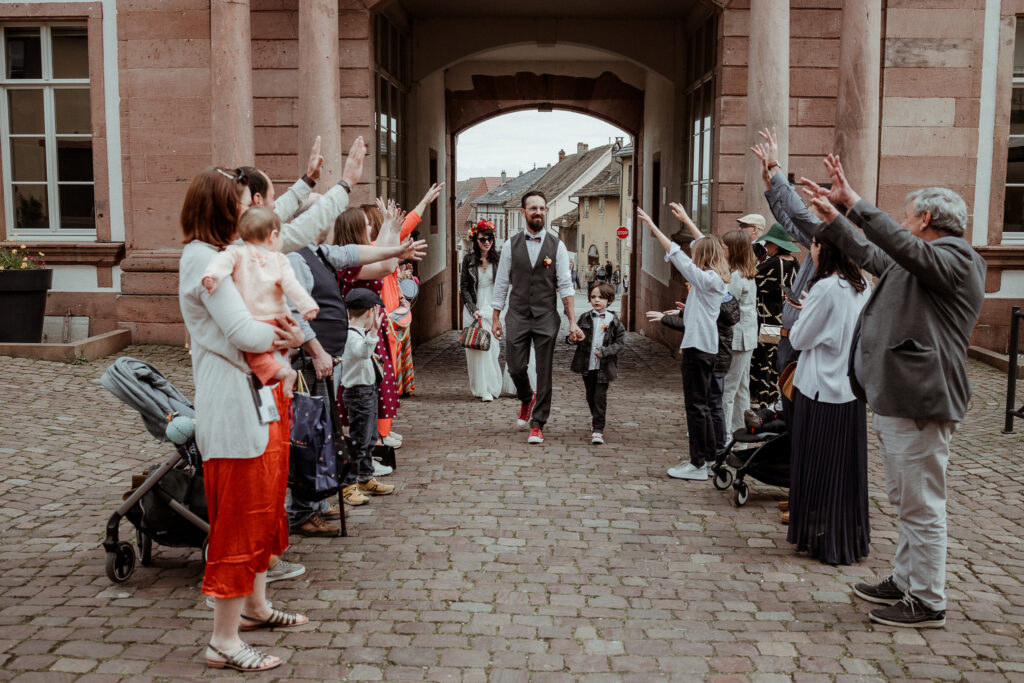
<point>754,225</point>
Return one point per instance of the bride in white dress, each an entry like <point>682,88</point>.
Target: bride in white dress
<point>479,267</point>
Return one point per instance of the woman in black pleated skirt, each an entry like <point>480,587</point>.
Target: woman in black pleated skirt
<point>828,495</point>
<point>828,498</point>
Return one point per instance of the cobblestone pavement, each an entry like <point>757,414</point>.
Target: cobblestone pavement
<point>495,561</point>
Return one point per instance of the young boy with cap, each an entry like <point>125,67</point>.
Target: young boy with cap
<point>359,377</point>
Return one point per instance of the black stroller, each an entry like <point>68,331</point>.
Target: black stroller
<point>765,458</point>
<point>171,493</point>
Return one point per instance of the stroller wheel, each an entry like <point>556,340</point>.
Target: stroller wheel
<point>740,495</point>
<point>145,544</point>
<point>121,562</point>
<point>723,478</point>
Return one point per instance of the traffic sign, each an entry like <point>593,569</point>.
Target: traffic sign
<point>622,232</point>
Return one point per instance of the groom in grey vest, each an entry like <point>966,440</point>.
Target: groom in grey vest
<point>536,265</point>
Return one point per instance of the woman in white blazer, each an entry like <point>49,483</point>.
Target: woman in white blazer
<point>743,264</point>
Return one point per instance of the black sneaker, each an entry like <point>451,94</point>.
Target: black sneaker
<point>885,592</point>
<point>909,612</point>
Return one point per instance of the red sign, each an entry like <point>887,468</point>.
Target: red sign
<point>622,232</point>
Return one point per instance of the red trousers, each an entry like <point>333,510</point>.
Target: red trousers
<point>245,502</point>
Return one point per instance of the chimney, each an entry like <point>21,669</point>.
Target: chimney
<point>581,147</point>
<point>503,178</point>
<point>561,154</point>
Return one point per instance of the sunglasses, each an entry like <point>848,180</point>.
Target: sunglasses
<point>484,239</point>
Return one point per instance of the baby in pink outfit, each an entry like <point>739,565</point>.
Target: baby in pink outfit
<point>263,277</point>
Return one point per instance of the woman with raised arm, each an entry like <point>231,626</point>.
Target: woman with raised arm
<point>828,492</point>
<point>707,273</point>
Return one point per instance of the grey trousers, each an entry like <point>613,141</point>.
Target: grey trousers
<point>520,333</point>
<point>915,453</point>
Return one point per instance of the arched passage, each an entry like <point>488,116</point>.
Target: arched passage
<point>472,61</point>
<point>606,97</point>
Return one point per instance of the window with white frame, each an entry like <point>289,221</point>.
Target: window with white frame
<point>46,131</point>
<point>600,206</point>
<point>586,207</point>
<point>1013,207</point>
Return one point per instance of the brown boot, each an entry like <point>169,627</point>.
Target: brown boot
<point>316,526</point>
<point>784,505</point>
<point>785,517</point>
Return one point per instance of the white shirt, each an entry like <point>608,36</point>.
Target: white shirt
<point>356,363</point>
<point>597,340</point>
<point>564,282</point>
<point>703,303</point>
<point>824,333</point>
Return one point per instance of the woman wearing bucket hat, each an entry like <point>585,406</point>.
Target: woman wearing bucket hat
<point>774,275</point>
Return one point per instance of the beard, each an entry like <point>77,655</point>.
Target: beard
<point>536,223</point>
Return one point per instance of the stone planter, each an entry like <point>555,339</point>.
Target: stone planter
<point>23,304</point>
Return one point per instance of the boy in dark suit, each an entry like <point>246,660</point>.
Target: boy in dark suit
<point>597,355</point>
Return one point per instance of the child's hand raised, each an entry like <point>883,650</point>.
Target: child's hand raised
<point>376,320</point>
<point>209,283</point>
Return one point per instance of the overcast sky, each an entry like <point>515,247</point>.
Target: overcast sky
<point>525,139</point>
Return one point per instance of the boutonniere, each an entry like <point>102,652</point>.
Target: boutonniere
<point>604,327</point>
<point>547,261</point>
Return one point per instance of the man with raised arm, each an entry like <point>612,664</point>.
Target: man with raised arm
<point>908,361</point>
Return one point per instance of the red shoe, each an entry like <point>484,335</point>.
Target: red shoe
<point>525,411</point>
<point>536,435</point>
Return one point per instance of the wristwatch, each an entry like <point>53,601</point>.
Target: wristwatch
<point>345,186</point>
<point>309,181</point>
<point>774,164</point>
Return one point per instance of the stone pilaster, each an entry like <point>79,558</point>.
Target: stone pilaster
<point>319,86</point>
<point>857,107</point>
<point>231,82</point>
<point>767,92</point>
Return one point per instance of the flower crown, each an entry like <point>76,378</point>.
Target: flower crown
<point>481,225</point>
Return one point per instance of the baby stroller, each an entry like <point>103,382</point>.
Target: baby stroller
<point>170,494</point>
<point>765,458</point>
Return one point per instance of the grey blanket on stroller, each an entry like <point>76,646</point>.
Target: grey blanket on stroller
<point>144,388</point>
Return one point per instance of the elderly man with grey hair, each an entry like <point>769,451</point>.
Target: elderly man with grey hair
<point>908,362</point>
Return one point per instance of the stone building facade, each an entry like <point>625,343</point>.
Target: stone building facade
<point>910,92</point>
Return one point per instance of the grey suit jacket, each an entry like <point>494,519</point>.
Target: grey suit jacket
<point>915,328</point>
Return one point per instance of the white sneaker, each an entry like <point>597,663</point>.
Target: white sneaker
<point>487,398</point>
<point>396,435</point>
<point>390,440</point>
<point>687,470</point>
<point>597,438</point>
<point>284,570</point>
<point>380,469</point>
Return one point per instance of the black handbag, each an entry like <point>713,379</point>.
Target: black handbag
<point>313,465</point>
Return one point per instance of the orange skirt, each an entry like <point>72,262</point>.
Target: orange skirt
<point>245,502</point>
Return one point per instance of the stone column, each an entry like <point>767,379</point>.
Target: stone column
<point>319,86</point>
<point>857,107</point>
<point>231,82</point>
<point>767,93</point>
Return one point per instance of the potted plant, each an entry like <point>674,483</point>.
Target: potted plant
<point>24,282</point>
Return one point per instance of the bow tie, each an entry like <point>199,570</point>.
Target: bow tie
<point>596,314</point>
<point>533,239</point>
